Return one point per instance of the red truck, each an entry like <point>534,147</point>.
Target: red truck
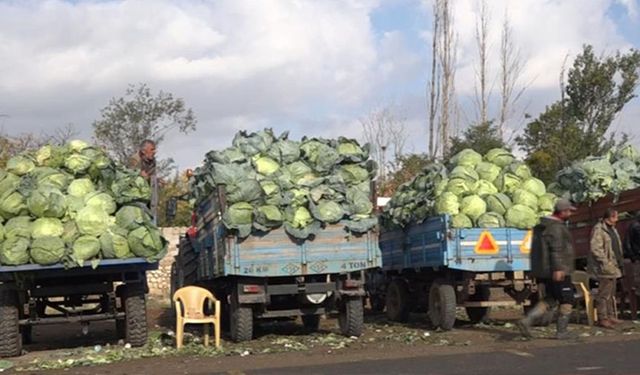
<point>587,215</point>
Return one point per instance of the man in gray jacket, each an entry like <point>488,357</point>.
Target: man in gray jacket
<point>552,262</point>
<point>605,261</point>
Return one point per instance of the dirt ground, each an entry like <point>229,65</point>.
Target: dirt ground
<point>65,349</point>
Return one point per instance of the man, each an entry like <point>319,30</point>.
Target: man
<point>632,251</point>
<point>147,165</point>
<point>604,263</point>
<point>552,262</point>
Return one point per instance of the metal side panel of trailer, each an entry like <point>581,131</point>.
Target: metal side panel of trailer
<point>106,266</point>
<point>433,244</point>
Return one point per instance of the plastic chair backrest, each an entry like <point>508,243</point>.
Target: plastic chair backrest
<point>580,277</point>
<point>192,299</point>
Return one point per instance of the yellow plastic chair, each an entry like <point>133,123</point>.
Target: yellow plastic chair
<point>580,280</point>
<point>190,302</point>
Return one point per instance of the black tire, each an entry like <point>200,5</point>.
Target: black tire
<point>311,322</point>
<point>241,322</point>
<point>135,320</point>
<point>479,314</point>
<point>10,336</point>
<point>442,305</point>
<point>377,303</point>
<point>397,301</point>
<point>351,318</point>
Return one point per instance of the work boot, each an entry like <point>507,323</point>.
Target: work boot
<point>562,326</point>
<point>606,323</point>
<point>616,321</point>
<point>537,312</point>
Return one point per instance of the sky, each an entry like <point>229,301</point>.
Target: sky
<point>314,68</point>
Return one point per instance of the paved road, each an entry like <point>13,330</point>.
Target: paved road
<point>589,359</point>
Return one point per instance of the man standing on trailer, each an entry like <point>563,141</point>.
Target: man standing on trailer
<point>552,262</point>
<point>604,263</point>
<point>146,161</point>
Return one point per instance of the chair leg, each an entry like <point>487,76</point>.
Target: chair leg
<point>216,327</point>
<point>206,334</point>
<point>179,334</point>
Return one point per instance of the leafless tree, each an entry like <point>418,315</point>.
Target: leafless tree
<point>482,93</point>
<point>434,81</point>
<point>447,55</point>
<point>62,135</point>
<point>386,132</point>
<point>511,68</point>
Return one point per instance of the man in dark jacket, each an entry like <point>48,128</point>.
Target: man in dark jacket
<point>552,262</point>
<point>632,251</point>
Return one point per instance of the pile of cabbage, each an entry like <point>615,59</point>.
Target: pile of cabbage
<point>594,177</point>
<point>273,182</point>
<point>72,204</point>
<point>494,190</point>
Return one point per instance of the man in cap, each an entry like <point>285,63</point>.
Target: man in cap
<point>552,262</point>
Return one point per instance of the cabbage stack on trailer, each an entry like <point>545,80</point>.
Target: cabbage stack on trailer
<point>73,224</point>
<point>283,228</point>
<point>452,234</point>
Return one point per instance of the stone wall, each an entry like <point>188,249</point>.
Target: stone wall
<point>160,280</point>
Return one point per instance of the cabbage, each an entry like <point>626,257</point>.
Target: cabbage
<point>20,165</point>
<point>353,174</point>
<point>13,204</point>
<point>466,157</point>
<point>46,227</point>
<point>521,216</point>
<point>447,203</point>
<point>93,221</point>
<point>358,201</point>
<point>266,166</point>
<point>14,251</point>
<point>460,187</point>
<point>488,171</point>
<point>47,250</point>
<point>146,242</point>
<point>499,157</point>
<point>239,216</point>
<point>298,217</point>
<point>267,217</point>
<point>534,186</point>
<point>465,173</point>
<point>628,152</point>
<point>130,217</point>
<point>80,187</point>
<point>77,163</point>
<point>490,220</point>
<point>461,221</point>
<point>244,191</point>
<point>473,206</point>
<point>547,202</point>
<point>351,150</point>
<point>114,244</point>
<point>77,145</point>
<point>85,248</point>
<point>507,182</point>
<point>327,211</point>
<point>102,200</point>
<point>19,226</point>
<point>70,233</point>
<point>47,202</point>
<point>484,188</point>
<point>520,169</point>
<point>498,203</point>
<point>1,233</point>
<point>8,183</point>
<point>131,188</point>
<point>523,197</point>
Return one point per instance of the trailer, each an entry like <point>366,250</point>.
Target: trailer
<point>32,295</point>
<point>271,275</point>
<point>431,267</point>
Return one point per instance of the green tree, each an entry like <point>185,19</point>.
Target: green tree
<point>176,186</point>
<point>408,167</point>
<point>481,138</point>
<point>577,126</point>
<point>126,121</point>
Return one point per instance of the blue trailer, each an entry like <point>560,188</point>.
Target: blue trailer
<point>33,295</point>
<point>435,268</point>
<point>273,275</point>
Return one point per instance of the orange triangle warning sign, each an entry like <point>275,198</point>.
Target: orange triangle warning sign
<point>525,247</point>
<point>486,244</point>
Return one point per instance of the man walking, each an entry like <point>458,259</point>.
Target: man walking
<point>604,263</point>
<point>552,262</point>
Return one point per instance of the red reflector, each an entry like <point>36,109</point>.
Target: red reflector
<point>352,283</point>
<point>486,244</point>
<point>251,288</point>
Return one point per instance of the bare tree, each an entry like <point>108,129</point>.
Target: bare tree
<point>386,132</point>
<point>511,68</point>
<point>434,81</point>
<point>482,44</point>
<point>448,63</point>
<point>62,135</point>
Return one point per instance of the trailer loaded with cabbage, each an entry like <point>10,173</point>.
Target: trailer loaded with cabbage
<point>73,225</point>
<point>454,233</point>
<point>282,228</point>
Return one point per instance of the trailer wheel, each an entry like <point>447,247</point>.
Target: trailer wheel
<point>351,318</point>
<point>311,322</point>
<point>397,301</point>
<point>241,321</point>
<point>135,310</point>
<point>10,336</point>
<point>479,314</point>
<point>442,305</point>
